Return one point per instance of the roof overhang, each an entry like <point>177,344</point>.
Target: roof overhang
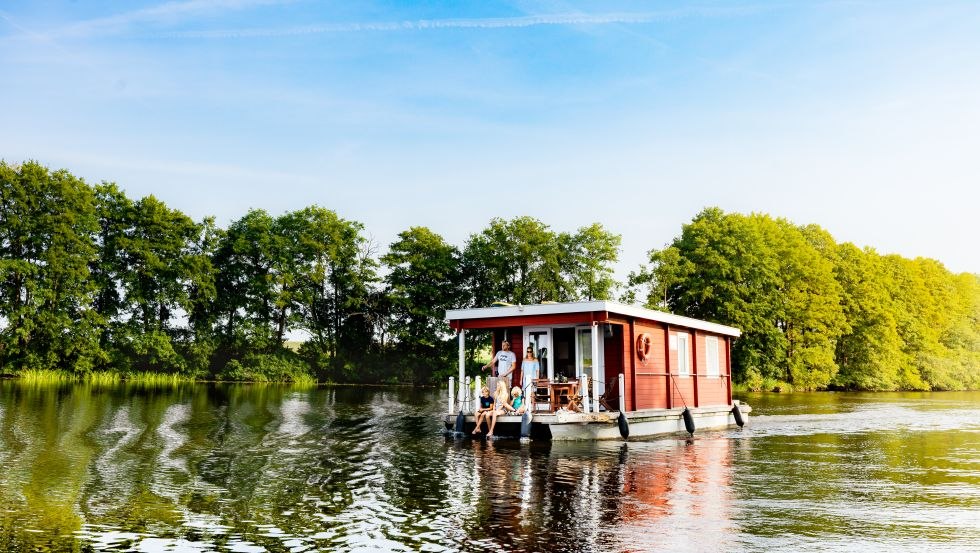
<point>588,309</point>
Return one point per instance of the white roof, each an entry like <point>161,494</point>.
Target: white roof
<point>588,306</point>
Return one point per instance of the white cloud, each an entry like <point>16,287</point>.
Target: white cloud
<point>175,12</point>
<point>168,12</point>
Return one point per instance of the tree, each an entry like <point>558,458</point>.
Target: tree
<point>869,353</point>
<point>201,340</point>
<point>654,282</point>
<point>47,223</point>
<point>334,276</point>
<point>245,283</point>
<point>762,275</point>
<point>113,210</point>
<point>513,261</point>
<point>524,261</point>
<point>423,281</point>
<point>590,254</point>
<point>156,248</point>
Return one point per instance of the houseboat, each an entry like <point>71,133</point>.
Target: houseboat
<point>605,371</point>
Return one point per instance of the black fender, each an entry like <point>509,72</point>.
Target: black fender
<point>624,425</point>
<point>738,416</point>
<point>688,421</point>
<point>460,420</point>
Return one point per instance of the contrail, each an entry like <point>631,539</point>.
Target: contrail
<point>481,23</point>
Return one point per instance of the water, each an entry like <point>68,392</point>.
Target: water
<point>270,468</point>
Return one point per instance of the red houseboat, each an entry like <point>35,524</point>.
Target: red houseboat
<point>606,370</point>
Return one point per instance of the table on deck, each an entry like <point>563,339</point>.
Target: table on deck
<point>561,392</point>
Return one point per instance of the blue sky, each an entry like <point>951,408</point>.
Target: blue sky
<point>862,117</point>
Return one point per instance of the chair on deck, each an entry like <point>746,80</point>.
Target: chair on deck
<point>610,395</point>
<point>542,392</point>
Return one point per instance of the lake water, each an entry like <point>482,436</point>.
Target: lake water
<point>272,468</point>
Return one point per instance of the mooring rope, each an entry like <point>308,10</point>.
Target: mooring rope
<point>677,388</point>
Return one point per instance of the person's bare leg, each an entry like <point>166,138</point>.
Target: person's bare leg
<point>479,420</point>
<point>493,422</point>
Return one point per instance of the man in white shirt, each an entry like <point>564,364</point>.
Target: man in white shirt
<point>506,363</point>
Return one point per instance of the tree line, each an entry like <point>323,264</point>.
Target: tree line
<point>92,280</point>
<point>816,314</point>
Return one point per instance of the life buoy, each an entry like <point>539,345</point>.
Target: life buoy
<point>644,344</point>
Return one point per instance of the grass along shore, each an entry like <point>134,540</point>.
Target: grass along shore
<point>54,376</point>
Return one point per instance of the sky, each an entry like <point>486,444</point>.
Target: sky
<point>860,117</point>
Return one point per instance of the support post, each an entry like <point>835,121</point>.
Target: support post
<point>728,366</point>
<point>694,367</point>
<point>467,405</point>
<point>477,388</point>
<point>622,392</point>
<point>670,391</point>
<point>597,371</point>
<point>632,349</point>
<point>462,355</point>
<point>452,395</point>
<point>584,387</point>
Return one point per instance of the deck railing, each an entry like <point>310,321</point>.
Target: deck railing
<point>465,396</point>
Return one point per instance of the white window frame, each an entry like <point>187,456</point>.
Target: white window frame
<point>683,345</point>
<point>711,356</point>
<point>527,339</point>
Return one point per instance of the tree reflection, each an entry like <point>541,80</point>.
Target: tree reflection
<point>274,468</point>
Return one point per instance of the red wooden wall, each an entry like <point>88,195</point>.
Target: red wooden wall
<point>650,391</point>
<point>647,385</point>
<point>650,387</point>
<point>615,349</point>
<point>711,390</point>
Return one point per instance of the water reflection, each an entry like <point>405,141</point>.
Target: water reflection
<point>579,496</point>
<point>271,468</point>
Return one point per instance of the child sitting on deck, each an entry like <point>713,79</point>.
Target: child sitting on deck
<point>502,401</point>
<point>483,413</point>
<point>518,402</point>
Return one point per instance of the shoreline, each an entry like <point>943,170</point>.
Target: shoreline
<point>57,377</point>
<point>164,379</point>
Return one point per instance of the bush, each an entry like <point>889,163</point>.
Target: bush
<point>263,367</point>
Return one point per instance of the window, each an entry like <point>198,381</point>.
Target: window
<point>683,355</point>
<point>711,344</point>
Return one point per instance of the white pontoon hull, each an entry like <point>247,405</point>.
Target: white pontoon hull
<point>603,426</point>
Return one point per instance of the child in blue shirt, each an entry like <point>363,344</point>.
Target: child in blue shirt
<point>486,407</point>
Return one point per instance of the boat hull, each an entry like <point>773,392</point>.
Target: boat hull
<point>603,426</point>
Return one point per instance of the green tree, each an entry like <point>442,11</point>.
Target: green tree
<point>334,277</point>
<point>524,261</point>
<point>765,276</point>
<point>113,210</point>
<point>936,320</point>
<point>588,257</point>
<point>200,338</point>
<point>245,284</point>
<point>869,353</point>
<point>47,223</point>
<point>157,250</point>
<point>423,281</point>
<point>514,261</point>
